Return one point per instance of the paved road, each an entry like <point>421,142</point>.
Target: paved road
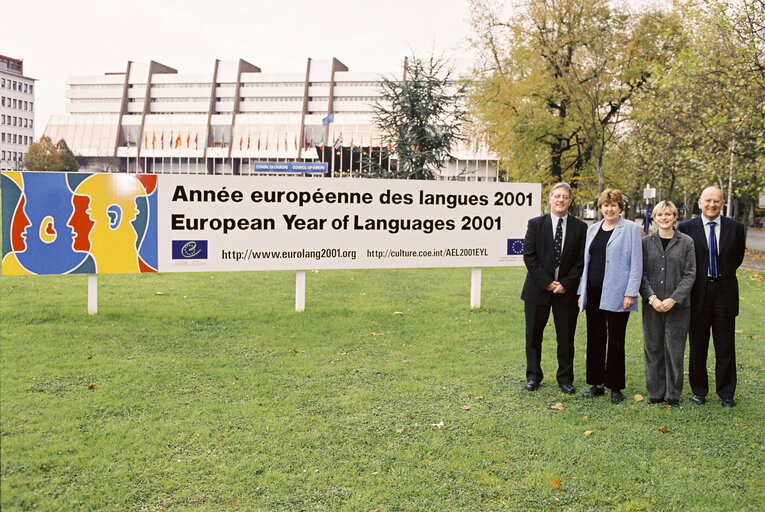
<point>755,239</point>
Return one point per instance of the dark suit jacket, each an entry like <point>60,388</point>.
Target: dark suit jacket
<point>539,258</point>
<point>730,256</point>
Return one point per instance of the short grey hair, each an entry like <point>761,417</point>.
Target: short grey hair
<point>562,184</point>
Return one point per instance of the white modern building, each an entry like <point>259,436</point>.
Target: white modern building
<point>17,114</point>
<point>150,118</point>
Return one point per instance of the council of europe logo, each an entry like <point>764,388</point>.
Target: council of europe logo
<point>189,249</point>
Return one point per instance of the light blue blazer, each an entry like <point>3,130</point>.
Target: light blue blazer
<point>624,266</point>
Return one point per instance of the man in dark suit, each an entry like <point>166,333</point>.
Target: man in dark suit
<point>553,252</point>
<point>719,245</point>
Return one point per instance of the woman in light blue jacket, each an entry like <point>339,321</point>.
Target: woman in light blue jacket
<point>613,269</point>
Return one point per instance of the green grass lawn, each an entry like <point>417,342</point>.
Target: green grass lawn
<point>209,392</point>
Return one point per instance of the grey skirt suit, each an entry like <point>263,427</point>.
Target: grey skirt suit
<point>666,273</point>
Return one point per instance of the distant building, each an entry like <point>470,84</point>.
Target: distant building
<point>149,118</point>
<point>17,114</point>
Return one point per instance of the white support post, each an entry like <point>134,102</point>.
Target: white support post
<point>92,294</point>
<point>475,288</point>
<point>300,291</point>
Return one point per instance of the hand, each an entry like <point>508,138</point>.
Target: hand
<point>551,287</point>
<point>667,303</point>
<point>579,302</point>
<point>559,289</point>
<point>658,305</point>
<point>628,302</point>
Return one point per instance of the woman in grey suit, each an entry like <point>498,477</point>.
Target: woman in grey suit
<point>613,267</point>
<point>669,270</point>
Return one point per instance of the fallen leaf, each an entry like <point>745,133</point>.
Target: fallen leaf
<point>376,333</point>
<point>375,510</point>
<point>584,416</point>
<point>437,425</point>
<point>555,483</point>
<point>638,398</point>
<point>557,407</point>
<point>739,331</point>
<point>465,407</point>
<point>343,353</point>
<point>557,499</point>
<point>374,472</point>
<point>159,293</point>
<point>91,386</point>
<point>666,430</point>
<point>398,313</point>
<point>588,432</point>
<point>399,430</point>
<point>221,437</point>
<point>754,337</point>
<point>478,398</point>
<point>297,351</point>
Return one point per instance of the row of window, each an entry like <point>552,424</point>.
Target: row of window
<point>13,85</point>
<point>13,103</point>
<point>10,138</point>
<point>13,156</point>
<point>16,121</point>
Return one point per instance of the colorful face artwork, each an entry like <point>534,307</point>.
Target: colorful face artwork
<point>62,223</point>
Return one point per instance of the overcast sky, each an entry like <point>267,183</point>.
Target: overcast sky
<point>62,38</point>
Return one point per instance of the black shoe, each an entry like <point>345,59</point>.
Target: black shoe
<point>532,385</point>
<point>728,402</point>
<point>593,392</point>
<point>656,400</point>
<point>568,389</point>
<point>616,397</point>
<point>672,402</point>
<point>698,400</point>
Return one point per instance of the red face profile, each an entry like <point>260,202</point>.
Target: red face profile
<point>19,226</point>
<point>81,223</point>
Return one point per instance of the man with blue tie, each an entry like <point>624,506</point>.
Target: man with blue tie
<point>553,252</point>
<point>719,245</point>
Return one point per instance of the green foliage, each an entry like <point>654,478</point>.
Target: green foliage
<point>420,117</point>
<point>68,161</point>
<point>216,395</point>
<point>556,78</point>
<point>701,121</point>
<point>43,156</point>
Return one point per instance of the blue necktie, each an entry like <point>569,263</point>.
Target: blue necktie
<point>713,272</point>
<point>558,242</point>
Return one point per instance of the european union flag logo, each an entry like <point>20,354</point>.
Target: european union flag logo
<point>189,249</point>
<point>514,246</point>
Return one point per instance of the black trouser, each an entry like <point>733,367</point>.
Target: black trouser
<point>605,343</point>
<point>564,316</point>
<point>714,316</point>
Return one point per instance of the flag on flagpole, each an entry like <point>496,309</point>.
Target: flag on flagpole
<point>162,140</point>
<point>330,118</point>
<point>188,139</point>
<point>196,141</point>
<point>153,139</point>
<point>240,143</point>
<point>338,142</point>
<point>248,141</point>
<point>146,139</point>
<point>178,140</point>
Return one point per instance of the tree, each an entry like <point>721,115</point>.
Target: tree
<point>557,77</point>
<point>43,156</point>
<point>701,120</point>
<point>420,118</point>
<point>68,160</point>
